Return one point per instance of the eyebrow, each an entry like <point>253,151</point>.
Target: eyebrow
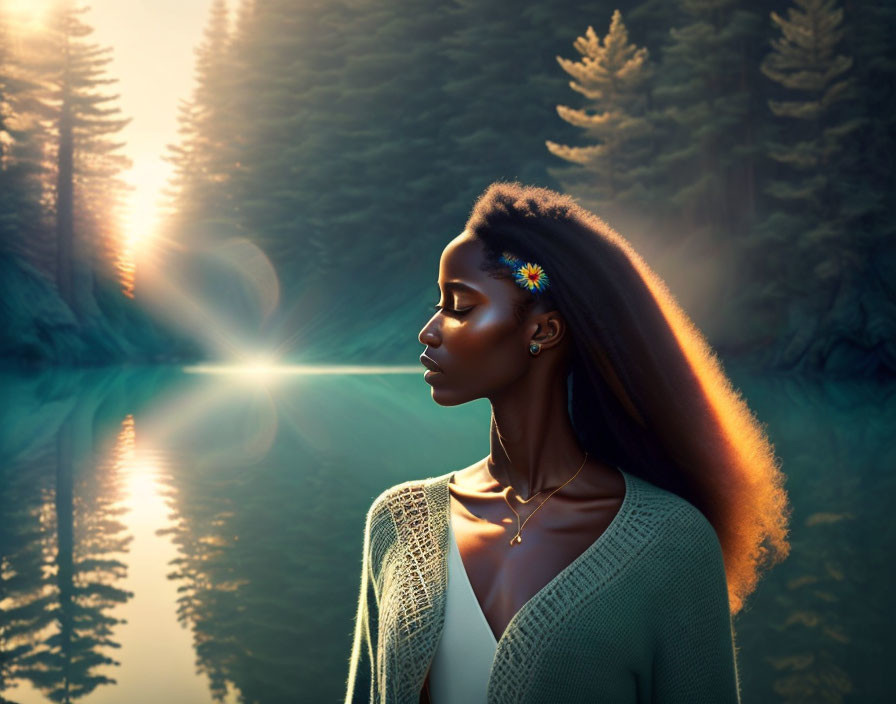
<point>460,285</point>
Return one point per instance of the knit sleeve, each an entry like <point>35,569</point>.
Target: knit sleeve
<point>361,674</point>
<point>694,658</point>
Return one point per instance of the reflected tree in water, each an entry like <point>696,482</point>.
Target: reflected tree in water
<point>256,572</point>
<point>60,534</point>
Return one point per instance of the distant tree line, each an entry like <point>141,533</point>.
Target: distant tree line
<point>348,139</point>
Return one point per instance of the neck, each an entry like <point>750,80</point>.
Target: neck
<point>533,444</point>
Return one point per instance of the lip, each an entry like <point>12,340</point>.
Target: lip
<point>429,364</point>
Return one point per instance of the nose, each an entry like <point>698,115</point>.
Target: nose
<point>429,334</point>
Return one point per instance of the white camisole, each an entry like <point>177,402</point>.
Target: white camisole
<point>463,659</point>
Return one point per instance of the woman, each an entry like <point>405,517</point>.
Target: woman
<point>625,509</point>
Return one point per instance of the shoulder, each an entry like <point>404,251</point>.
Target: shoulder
<point>673,519</point>
<point>683,559</point>
<point>399,495</point>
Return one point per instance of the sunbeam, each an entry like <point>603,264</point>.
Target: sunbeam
<point>255,369</point>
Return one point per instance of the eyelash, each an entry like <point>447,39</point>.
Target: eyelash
<point>454,312</point>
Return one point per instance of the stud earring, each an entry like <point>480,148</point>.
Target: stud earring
<point>534,349</point>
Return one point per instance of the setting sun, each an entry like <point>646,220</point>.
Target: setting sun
<point>147,176</point>
<point>27,8</point>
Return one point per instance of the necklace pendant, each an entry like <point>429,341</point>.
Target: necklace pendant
<point>516,539</point>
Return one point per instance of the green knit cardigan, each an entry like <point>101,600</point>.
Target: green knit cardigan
<point>642,615</point>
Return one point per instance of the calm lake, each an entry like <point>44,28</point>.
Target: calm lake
<point>174,536</point>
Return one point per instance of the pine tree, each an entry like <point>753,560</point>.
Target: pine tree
<point>24,231</point>
<point>88,193</point>
<point>503,92</point>
<point>805,62</point>
<point>868,38</point>
<point>275,126</point>
<point>649,21</point>
<point>613,75</point>
<point>817,249</point>
<point>204,158</point>
<point>707,99</point>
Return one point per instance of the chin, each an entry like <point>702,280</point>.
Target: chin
<point>445,397</point>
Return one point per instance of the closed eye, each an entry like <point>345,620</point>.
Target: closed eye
<point>454,312</point>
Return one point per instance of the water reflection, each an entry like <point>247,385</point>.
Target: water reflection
<point>818,628</point>
<point>197,537</point>
<point>62,545</point>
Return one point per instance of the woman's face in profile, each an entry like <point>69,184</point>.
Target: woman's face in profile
<point>474,338</point>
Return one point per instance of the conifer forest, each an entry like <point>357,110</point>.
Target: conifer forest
<point>330,149</point>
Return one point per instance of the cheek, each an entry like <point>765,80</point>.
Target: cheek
<point>488,342</point>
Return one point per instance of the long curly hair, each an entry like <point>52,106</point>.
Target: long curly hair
<point>646,390</point>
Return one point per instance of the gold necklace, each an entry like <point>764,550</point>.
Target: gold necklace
<point>517,539</point>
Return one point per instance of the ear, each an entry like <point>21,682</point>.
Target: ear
<point>550,329</point>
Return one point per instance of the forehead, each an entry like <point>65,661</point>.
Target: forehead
<point>461,259</point>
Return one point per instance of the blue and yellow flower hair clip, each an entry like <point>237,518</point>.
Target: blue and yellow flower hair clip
<point>527,275</point>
